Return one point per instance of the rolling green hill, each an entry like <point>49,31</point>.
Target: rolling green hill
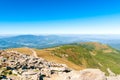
<point>91,55</point>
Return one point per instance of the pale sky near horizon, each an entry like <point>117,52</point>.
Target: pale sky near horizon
<point>59,17</point>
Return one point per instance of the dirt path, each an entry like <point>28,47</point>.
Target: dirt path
<point>34,53</point>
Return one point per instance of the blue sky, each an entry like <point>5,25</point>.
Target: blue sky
<point>59,16</point>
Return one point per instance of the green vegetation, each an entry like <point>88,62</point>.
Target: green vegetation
<point>91,55</point>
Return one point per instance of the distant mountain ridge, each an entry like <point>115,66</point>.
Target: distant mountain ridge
<point>46,41</point>
<point>31,41</point>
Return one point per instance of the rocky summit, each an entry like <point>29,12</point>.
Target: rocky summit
<point>18,66</point>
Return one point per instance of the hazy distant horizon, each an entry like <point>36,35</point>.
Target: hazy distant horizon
<point>60,35</point>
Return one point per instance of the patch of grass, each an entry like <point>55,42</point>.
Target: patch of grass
<point>26,51</point>
<point>80,55</point>
<point>49,56</point>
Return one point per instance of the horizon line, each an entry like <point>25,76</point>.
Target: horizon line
<point>55,34</point>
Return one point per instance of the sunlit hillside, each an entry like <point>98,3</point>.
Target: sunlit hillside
<point>81,55</point>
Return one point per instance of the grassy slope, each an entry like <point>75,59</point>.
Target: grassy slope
<point>21,50</point>
<point>91,55</point>
<point>46,54</point>
<point>83,55</point>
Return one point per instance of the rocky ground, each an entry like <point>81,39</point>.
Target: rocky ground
<point>16,66</point>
